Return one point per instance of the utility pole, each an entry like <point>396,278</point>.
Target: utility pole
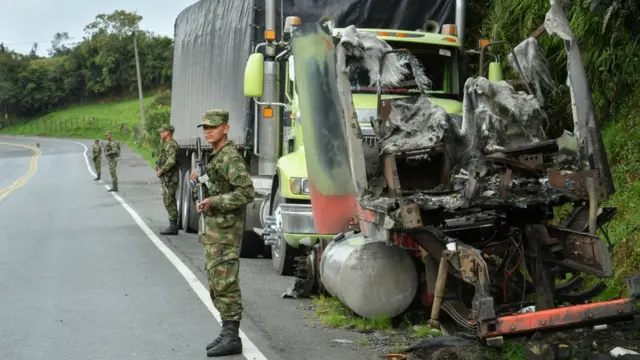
<point>135,50</point>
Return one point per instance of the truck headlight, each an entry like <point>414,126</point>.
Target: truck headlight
<point>299,186</point>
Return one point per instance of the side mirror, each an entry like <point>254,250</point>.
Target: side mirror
<point>254,76</point>
<point>495,72</point>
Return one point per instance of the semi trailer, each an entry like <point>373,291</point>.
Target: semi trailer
<point>213,39</point>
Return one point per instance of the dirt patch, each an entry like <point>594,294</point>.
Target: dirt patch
<point>411,342</point>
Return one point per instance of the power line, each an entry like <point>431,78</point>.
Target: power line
<point>35,42</point>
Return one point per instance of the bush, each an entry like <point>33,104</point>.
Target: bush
<point>157,114</point>
<point>162,98</point>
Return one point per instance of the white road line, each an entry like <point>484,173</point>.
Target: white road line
<point>249,349</point>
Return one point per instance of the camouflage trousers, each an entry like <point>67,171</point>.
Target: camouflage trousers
<point>222,264</point>
<point>113,163</point>
<point>98,165</point>
<point>169,190</point>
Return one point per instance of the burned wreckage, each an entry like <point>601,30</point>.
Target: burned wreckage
<point>457,214</point>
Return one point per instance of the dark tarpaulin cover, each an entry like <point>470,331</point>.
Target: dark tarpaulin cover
<point>214,38</point>
<point>386,14</point>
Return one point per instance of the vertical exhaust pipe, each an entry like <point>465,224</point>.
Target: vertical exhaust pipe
<point>268,128</point>
<point>461,12</point>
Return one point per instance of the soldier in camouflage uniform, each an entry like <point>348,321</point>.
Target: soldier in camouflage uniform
<point>97,153</point>
<point>228,190</point>
<point>169,176</point>
<point>112,151</point>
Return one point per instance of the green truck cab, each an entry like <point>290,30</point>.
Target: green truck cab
<point>287,210</point>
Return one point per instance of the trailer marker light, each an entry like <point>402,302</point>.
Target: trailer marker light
<point>293,20</point>
<point>267,112</point>
<point>270,35</point>
<point>450,39</point>
<point>449,29</point>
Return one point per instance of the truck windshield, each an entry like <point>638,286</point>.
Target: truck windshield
<point>438,63</point>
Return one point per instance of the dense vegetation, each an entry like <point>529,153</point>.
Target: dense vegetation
<point>102,65</point>
<point>608,32</point>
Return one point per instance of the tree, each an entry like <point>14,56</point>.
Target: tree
<point>57,46</point>
<point>118,22</point>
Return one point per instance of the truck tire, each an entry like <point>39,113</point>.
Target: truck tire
<point>282,255</point>
<point>188,208</point>
<point>266,249</point>
<point>251,245</point>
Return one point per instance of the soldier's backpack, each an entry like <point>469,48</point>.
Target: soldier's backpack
<point>117,148</point>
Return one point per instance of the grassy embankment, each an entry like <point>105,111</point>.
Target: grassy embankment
<point>90,121</point>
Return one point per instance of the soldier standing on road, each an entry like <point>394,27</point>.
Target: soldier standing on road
<point>228,190</point>
<point>168,174</point>
<point>112,152</point>
<point>97,153</point>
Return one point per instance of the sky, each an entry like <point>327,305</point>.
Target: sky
<point>23,22</point>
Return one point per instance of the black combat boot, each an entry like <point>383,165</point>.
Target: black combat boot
<point>219,338</point>
<point>114,187</point>
<point>230,343</point>
<point>172,229</point>
<point>97,178</point>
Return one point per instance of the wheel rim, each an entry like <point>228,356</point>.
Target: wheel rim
<point>179,197</point>
<point>185,205</point>
<point>179,193</point>
<point>279,244</point>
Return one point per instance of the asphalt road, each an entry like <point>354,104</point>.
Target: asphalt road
<point>16,162</point>
<point>83,273</point>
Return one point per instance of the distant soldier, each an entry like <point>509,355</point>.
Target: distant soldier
<point>169,176</point>
<point>112,152</point>
<point>97,160</point>
<point>228,190</point>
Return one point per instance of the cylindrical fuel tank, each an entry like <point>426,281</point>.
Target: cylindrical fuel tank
<point>370,276</point>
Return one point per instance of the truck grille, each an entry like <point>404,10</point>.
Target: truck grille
<point>371,140</point>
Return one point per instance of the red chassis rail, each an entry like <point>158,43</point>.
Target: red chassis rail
<point>570,316</point>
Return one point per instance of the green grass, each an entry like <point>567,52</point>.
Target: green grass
<point>334,314</point>
<point>90,121</point>
<point>622,141</point>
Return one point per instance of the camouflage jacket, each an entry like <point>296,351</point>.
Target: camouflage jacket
<point>112,149</point>
<point>97,151</point>
<point>168,159</point>
<point>230,189</point>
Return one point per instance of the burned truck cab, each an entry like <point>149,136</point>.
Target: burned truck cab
<point>470,203</point>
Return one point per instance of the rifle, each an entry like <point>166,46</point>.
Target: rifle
<point>199,164</point>
<point>104,150</point>
<point>164,186</point>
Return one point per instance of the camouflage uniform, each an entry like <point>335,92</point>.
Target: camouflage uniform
<point>112,151</point>
<point>229,188</point>
<point>169,175</point>
<point>97,153</point>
